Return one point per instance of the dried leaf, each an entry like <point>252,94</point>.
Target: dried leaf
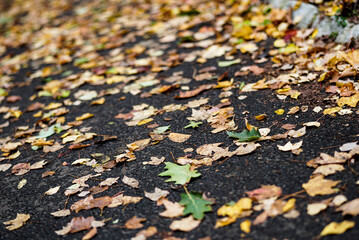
<point>61,213</point>
<point>108,182</point>
<point>315,208</point>
<point>132,182</point>
<point>178,137</point>
<point>290,146</point>
<point>17,222</point>
<point>52,191</point>
<point>185,224</point>
<point>350,208</point>
<point>157,194</point>
<point>173,209</point>
<point>320,186</point>
<point>134,223</point>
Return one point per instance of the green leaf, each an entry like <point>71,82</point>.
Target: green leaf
<point>44,133</point>
<point>246,136</point>
<point>179,174</point>
<point>80,61</point>
<point>195,205</point>
<point>228,63</point>
<point>193,124</point>
<point>162,129</point>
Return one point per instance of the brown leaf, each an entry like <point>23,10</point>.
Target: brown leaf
<point>90,202</point>
<point>35,106</point>
<point>90,234</point>
<point>265,192</point>
<point>134,223</point>
<point>78,224</point>
<point>194,92</point>
<point>143,234</point>
<point>12,99</point>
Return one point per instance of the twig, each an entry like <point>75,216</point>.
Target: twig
<point>292,194</point>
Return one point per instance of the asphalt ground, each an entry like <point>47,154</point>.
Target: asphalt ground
<point>224,181</point>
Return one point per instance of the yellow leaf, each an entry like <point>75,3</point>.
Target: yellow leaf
<point>332,111</point>
<point>84,116</point>
<point>261,117</point>
<point>15,155</point>
<point>279,43</point>
<point>224,84</point>
<point>15,113</point>
<point>38,114</point>
<point>320,186</point>
<point>236,209</point>
<point>144,121</point>
<point>350,101</point>
<point>246,226</point>
<point>295,95</point>
<point>98,101</point>
<point>314,34</point>
<point>279,111</point>
<point>224,221</point>
<point>289,205</point>
<point>18,222</point>
<point>337,228</point>
<point>52,106</point>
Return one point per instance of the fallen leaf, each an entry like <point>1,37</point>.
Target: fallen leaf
<point>134,223</point>
<point>179,174</point>
<point>350,208</point>
<point>173,209</point>
<point>178,137</point>
<point>17,222</point>
<point>320,186</point>
<point>84,116</point>
<point>265,192</point>
<point>246,226</point>
<point>337,228</point>
<point>61,213</point>
<point>78,224</point>
<point>21,184</point>
<point>157,194</point>
<point>132,182</point>
<point>108,182</point>
<point>195,204</point>
<point>52,191</point>
<point>315,208</point>
<point>185,224</point>
<point>329,169</point>
<point>290,146</point>
<point>155,161</point>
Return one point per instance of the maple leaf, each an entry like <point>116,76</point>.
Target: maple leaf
<point>179,174</point>
<point>320,186</point>
<point>245,136</point>
<point>195,204</point>
<point>193,124</point>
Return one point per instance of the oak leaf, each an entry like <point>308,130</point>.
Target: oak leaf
<point>179,174</point>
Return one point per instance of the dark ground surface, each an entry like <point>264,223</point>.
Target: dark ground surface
<point>224,181</point>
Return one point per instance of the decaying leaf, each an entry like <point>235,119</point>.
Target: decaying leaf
<point>108,182</point>
<point>155,161</point>
<point>144,234</point>
<point>17,222</point>
<point>265,192</point>
<point>290,146</point>
<point>185,224</point>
